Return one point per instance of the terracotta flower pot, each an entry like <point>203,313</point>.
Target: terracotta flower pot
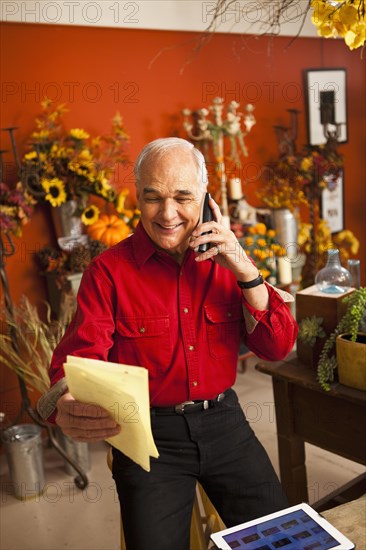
<point>351,359</point>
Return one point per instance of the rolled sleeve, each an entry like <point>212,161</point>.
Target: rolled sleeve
<point>271,333</point>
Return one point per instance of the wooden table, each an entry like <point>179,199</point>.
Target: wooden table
<point>333,420</point>
<point>349,519</point>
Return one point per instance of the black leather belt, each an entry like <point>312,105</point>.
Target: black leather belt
<point>188,407</point>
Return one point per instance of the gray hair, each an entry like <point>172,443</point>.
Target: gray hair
<point>159,146</point>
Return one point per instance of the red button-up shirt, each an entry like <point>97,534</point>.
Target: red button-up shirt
<point>136,305</point>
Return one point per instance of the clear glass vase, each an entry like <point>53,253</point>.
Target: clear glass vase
<point>354,269</point>
<point>333,278</point>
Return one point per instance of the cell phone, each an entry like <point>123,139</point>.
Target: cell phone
<point>206,216</point>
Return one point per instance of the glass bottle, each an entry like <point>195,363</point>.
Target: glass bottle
<point>354,269</point>
<point>333,278</point>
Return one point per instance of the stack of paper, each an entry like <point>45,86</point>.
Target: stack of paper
<point>122,390</point>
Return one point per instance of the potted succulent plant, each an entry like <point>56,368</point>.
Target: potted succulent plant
<point>345,348</point>
<point>310,340</point>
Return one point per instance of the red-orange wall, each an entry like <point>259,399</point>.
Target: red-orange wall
<point>150,76</point>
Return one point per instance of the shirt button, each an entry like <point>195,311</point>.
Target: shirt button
<point>195,383</point>
<point>191,348</point>
<point>185,310</point>
<point>142,330</point>
<point>229,314</point>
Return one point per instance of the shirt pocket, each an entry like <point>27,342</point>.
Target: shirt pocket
<point>144,341</point>
<point>224,323</point>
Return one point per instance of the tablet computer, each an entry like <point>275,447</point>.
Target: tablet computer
<point>299,527</point>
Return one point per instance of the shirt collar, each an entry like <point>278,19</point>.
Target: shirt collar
<point>143,247</point>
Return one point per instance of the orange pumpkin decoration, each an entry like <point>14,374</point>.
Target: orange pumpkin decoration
<point>109,230</point>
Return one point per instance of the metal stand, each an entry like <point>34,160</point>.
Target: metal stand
<point>81,480</point>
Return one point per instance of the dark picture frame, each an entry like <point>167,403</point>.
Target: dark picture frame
<point>332,203</point>
<point>326,104</point>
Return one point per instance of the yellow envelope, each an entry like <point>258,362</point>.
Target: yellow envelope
<point>123,390</point>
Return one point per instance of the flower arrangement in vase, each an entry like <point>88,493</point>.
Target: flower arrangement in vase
<point>63,270</point>
<point>300,177</point>
<point>69,165</point>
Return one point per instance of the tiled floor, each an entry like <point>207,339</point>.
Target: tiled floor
<point>66,518</point>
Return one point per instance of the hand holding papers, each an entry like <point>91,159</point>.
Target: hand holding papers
<point>122,390</point>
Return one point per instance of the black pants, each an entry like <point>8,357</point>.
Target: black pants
<point>218,448</point>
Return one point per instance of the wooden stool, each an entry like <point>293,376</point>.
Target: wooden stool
<point>205,518</point>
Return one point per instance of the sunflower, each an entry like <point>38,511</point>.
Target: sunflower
<point>41,135</point>
<point>31,156</point>
<point>55,191</point>
<point>90,214</point>
<point>79,134</point>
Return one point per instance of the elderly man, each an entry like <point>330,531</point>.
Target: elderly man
<point>153,301</point>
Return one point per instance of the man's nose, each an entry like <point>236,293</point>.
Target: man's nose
<point>168,209</point>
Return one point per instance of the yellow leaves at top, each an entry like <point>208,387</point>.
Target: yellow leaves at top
<point>348,15</point>
<point>346,19</point>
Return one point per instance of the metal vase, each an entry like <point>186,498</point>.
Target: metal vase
<point>23,449</point>
<point>284,222</point>
<point>65,223</point>
<point>68,227</point>
<point>77,451</point>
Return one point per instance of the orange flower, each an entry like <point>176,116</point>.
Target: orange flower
<point>261,229</point>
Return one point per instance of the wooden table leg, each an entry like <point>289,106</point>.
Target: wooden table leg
<point>291,448</point>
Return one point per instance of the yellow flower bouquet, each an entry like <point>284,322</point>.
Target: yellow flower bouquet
<point>70,165</point>
<point>260,243</point>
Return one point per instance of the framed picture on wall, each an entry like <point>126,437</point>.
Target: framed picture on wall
<point>326,105</point>
<point>332,203</point>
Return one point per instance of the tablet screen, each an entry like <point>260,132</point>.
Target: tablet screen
<point>293,531</point>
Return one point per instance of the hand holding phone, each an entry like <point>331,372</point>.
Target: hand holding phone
<point>206,216</point>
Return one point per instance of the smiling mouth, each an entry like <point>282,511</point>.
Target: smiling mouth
<point>169,227</point>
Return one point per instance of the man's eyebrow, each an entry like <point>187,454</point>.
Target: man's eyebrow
<point>184,192</point>
<point>147,190</point>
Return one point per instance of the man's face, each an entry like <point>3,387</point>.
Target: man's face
<point>169,199</point>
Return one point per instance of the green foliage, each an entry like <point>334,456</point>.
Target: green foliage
<point>310,329</point>
<point>350,322</point>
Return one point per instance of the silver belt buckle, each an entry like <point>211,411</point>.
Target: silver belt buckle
<point>220,397</point>
<point>179,409</point>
